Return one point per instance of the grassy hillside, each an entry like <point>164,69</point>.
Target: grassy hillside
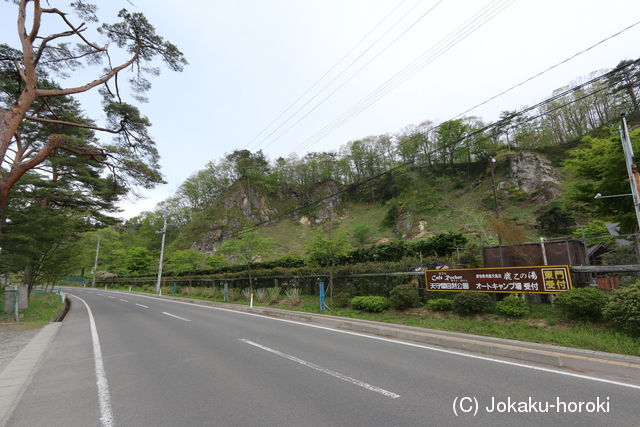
<point>429,203</point>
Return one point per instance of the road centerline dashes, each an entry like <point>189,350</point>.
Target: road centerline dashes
<point>142,305</point>
<point>335,374</point>
<point>123,300</point>
<point>177,317</point>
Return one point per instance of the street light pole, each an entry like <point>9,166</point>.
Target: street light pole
<point>95,264</point>
<point>163,231</point>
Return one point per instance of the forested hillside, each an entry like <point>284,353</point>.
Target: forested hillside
<point>427,179</point>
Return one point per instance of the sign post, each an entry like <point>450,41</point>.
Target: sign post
<point>321,297</point>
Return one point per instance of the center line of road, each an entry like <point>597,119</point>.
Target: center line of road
<point>109,296</point>
<point>100,295</point>
<point>177,317</point>
<point>324,370</point>
<point>142,305</point>
<point>123,300</point>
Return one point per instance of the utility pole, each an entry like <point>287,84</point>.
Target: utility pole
<point>95,264</point>
<point>492,162</point>
<point>164,232</point>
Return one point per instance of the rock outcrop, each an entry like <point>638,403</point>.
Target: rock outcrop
<point>535,176</point>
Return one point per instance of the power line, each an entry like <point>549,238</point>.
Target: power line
<point>406,30</point>
<point>526,80</point>
<point>464,30</point>
<point>398,167</point>
<point>593,46</point>
<point>333,67</point>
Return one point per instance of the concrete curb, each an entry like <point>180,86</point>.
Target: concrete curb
<point>576,359</point>
<point>17,374</point>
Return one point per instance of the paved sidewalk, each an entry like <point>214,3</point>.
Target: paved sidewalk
<point>15,375</point>
<point>13,337</point>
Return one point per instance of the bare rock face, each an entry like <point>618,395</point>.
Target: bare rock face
<point>253,205</point>
<point>304,220</point>
<point>244,204</point>
<point>534,175</point>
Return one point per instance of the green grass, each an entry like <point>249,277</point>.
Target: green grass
<point>544,325</point>
<point>43,307</point>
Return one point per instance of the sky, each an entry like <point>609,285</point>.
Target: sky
<point>250,60</point>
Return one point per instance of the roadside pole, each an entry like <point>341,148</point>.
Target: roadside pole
<point>321,297</point>
<point>95,264</point>
<point>492,163</point>
<point>164,232</point>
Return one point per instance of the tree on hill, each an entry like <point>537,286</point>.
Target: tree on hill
<point>599,167</point>
<point>27,91</point>
<point>247,248</point>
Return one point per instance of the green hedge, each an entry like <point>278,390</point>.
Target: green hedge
<point>581,303</point>
<point>370,303</point>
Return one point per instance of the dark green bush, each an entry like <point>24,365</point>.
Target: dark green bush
<point>343,296</point>
<point>373,304</point>
<point>440,304</point>
<point>512,306</point>
<point>581,303</point>
<point>472,302</point>
<point>623,309</point>
<point>429,295</point>
<point>404,296</point>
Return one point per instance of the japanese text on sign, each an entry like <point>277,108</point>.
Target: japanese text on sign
<point>530,279</point>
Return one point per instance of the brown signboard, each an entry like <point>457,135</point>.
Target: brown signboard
<point>545,279</point>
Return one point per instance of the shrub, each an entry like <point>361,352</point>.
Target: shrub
<point>623,309</point>
<point>293,294</point>
<point>373,304</point>
<point>429,295</point>
<point>581,303</point>
<point>211,292</point>
<point>440,304</point>
<point>234,294</point>
<point>471,303</point>
<point>261,295</point>
<point>404,296</point>
<point>187,291</point>
<point>512,306</point>
<point>342,298</point>
<point>273,294</point>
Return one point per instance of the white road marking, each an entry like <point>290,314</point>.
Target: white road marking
<point>106,414</point>
<point>123,300</point>
<point>143,306</point>
<point>101,295</point>
<point>109,296</point>
<point>325,370</point>
<point>177,317</point>
<point>409,344</point>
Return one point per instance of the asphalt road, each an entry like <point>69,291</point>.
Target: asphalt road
<point>162,363</point>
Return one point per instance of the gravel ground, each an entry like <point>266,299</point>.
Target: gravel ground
<point>12,338</point>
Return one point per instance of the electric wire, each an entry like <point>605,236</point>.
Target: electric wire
<point>401,165</point>
<point>541,72</point>
<point>480,18</point>
<point>333,67</point>
<point>405,31</point>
